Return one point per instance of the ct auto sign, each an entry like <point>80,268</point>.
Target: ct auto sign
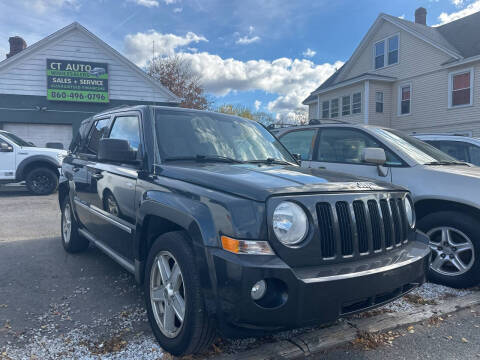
<point>78,81</point>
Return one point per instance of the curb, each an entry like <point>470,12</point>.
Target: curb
<point>343,333</point>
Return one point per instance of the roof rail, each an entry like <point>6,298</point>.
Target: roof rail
<point>311,122</point>
<point>442,134</point>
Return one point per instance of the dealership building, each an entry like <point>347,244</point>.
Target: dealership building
<point>48,88</point>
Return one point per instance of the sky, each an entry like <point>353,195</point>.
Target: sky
<point>265,54</point>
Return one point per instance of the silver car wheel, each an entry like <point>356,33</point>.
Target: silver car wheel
<point>453,251</point>
<point>67,223</point>
<point>167,294</point>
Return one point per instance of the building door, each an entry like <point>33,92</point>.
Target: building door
<point>41,134</point>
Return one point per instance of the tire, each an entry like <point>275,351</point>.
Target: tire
<point>72,241</point>
<point>197,331</point>
<point>41,181</point>
<point>455,242</point>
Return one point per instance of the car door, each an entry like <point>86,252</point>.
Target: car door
<point>112,203</point>
<point>300,142</point>
<point>340,149</point>
<point>7,160</point>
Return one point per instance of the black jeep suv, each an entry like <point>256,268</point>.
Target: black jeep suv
<point>227,231</point>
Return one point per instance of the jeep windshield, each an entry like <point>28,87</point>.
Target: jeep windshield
<point>211,137</point>
<point>420,151</point>
<point>15,139</point>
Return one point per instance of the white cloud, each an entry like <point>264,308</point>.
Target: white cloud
<point>309,53</point>
<point>42,6</point>
<point>251,29</point>
<point>257,104</point>
<point>245,40</point>
<point>139,46</point>
<point>470,9</point>
<point>147,3</point>
<point>291,80</point>
<point>178,10</point>
<point>168,2</point>
<point>402,16</point>
<point>457,3</point>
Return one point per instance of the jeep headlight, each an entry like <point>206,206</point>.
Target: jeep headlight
<point>290,223</point>
<point>409,211</point>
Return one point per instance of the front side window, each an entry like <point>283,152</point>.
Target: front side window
<point>194,135</point>
<point>299,142</point>
<point>325,109</point>
<point>357,103</point>
<point>346,146</point>
<point>460,88</point>
<point>17,140</point>
<point>335,110</point>
<point>98,131</point>
<point>474,152</point>
<point>379,102</point>
<point>126,128</point>
<point>346,105</point>
<point>455,149</point>
<point>405,98</point>
<point>379,54</point>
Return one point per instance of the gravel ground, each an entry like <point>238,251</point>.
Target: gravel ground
<point>86,306</point>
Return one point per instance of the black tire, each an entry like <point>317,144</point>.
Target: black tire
<point>42,181</point>
<point>466,225</point>
<point>198,330</point>
<point>74,243</point>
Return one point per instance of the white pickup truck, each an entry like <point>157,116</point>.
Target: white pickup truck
<point>22,161</point>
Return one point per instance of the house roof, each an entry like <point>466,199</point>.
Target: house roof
<point>76,26</point>
<point>458,38</point>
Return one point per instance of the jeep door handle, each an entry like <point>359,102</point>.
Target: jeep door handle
<point>76,169</point>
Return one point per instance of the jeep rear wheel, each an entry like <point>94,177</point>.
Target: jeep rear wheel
<point>72,241</point>
<point>174,299</point>
<point>455,248</point>
<point>42,181</point>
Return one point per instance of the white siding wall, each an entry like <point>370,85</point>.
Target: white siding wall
<point>380,119</point>
<point>429,106</point>
<point>349,90</point>
<point>312,111</point>
<point>28,75</point>
<point>415,56</point>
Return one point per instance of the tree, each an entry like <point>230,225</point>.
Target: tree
<point>262,117</point>
<point>177,75</point>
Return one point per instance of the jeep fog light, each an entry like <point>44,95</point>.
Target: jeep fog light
<point>258,290</point>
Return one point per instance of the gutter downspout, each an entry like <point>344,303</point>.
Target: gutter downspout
<point>366,99</point>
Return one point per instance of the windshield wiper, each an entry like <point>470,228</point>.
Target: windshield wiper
<point>204,158</point>
<point>446,163</point>
<point>270,161</point>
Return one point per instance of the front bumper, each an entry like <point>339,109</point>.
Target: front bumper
<point>313,295</point>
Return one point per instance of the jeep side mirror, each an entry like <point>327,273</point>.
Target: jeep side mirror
<point>116,150</point>
<point>377,157</point>
<point>4,147</point>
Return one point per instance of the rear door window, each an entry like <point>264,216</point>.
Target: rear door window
<point>300,142</point>
<point>98,131</point>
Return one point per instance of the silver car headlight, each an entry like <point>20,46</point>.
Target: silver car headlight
<point>409,210</point>
<point>290,223</point>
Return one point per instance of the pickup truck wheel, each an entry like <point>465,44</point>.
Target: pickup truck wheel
<point>42,181</point>
<point>72,241</point>
<point>455,245</point>
<point>174,300</point>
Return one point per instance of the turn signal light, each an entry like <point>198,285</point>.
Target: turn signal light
<point>250,247</point>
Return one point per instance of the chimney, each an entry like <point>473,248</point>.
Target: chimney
<point>17,44</point>
<point>421,16</point>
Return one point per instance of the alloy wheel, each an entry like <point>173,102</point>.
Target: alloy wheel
<point>41,184</point>
<point>67,223</point>
<point>167,294</point>
<point>453,251</point>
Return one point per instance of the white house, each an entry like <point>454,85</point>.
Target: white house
<point>409,76</point>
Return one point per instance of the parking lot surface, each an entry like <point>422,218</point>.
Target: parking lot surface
<point>54,305</point>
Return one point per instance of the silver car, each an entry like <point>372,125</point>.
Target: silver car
<point>446,191</point>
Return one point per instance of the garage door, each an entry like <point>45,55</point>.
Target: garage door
<point>41,134</point>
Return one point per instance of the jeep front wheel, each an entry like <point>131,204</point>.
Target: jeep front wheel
<point>42,181</point>
<point>72,241</point>
<point>174,299</point>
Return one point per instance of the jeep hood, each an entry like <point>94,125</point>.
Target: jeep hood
<point>258,182</point>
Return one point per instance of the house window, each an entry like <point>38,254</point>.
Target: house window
<point>346,105</point>
<point>405,94</point>
<point>379,54</point>
<point>334,108</point>
<point>393,50</point>
<point>357,103</point>
<point>460,87</point>
<point>325,109</point>
<point>388,56</point>
<point>379,102</point>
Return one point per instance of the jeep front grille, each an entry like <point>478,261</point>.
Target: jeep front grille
<point>360,227</point>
